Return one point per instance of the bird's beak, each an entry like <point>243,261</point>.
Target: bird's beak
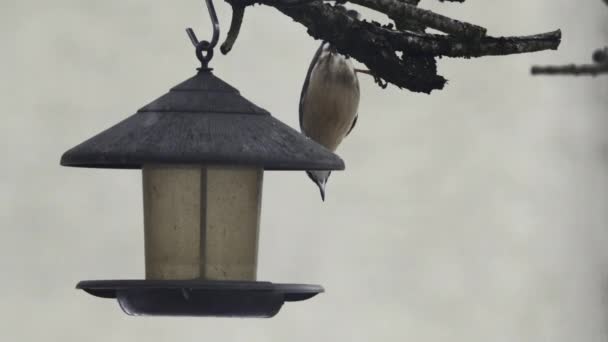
<point>321,186</point>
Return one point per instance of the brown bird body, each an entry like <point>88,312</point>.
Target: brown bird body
<point>329,103</point>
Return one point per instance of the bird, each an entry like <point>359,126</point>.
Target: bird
<point>329,102</point>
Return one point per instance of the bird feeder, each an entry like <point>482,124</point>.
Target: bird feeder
<point>203,150</point>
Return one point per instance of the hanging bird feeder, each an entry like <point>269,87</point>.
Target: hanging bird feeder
<point>202,149</point>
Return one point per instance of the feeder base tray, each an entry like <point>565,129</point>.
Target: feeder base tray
<point>199,297</point>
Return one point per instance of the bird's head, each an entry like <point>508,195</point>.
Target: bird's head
<point>320,178</point>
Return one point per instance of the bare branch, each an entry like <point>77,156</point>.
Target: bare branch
<point>441,45</point>
<point>365,42</point>
<point>376,46</point>
<point>396,9</point>
<point>235,26</point>
<point>571,69</point>
<point>425,64</point>
<point>405,55</point>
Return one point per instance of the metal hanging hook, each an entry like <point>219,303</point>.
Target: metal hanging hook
<point>206,46</point>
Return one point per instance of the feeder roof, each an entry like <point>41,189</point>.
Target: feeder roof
<point>203,120</point>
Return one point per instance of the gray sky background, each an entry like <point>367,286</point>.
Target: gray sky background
<point>475,214</point>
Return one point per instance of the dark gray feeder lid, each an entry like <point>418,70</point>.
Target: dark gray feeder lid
<point>199,297</point>
<point>203,120</point>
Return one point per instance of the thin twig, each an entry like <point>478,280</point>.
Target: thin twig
<point>363,71</point>
<point>600,66</point>
<point>441,45</point>
<point>571,69</point>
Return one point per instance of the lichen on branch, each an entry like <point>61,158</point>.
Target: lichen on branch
<point>401,53</point>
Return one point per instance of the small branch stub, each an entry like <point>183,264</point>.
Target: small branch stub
<point>571,69</point>
<point>238,12</point>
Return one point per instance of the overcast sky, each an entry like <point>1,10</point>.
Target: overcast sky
<point>477,213</point>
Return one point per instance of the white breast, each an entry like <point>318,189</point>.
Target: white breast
<point>331,101</point>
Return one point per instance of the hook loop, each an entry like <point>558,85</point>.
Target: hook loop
<point>204,49</point>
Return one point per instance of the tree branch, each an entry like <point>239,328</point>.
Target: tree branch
<point>441,45</point>
<point>235,26</point>
<point>600,66</point>
<point>424,64</point>
<point>404,56</point>
<point>365,42</point>
<point>376,46</point>
<point>396,9</point>
<point>571,69</point>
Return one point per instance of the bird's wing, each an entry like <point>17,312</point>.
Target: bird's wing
<point>307,80</point>
<point>356,114</point>
<point>353,125</point>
